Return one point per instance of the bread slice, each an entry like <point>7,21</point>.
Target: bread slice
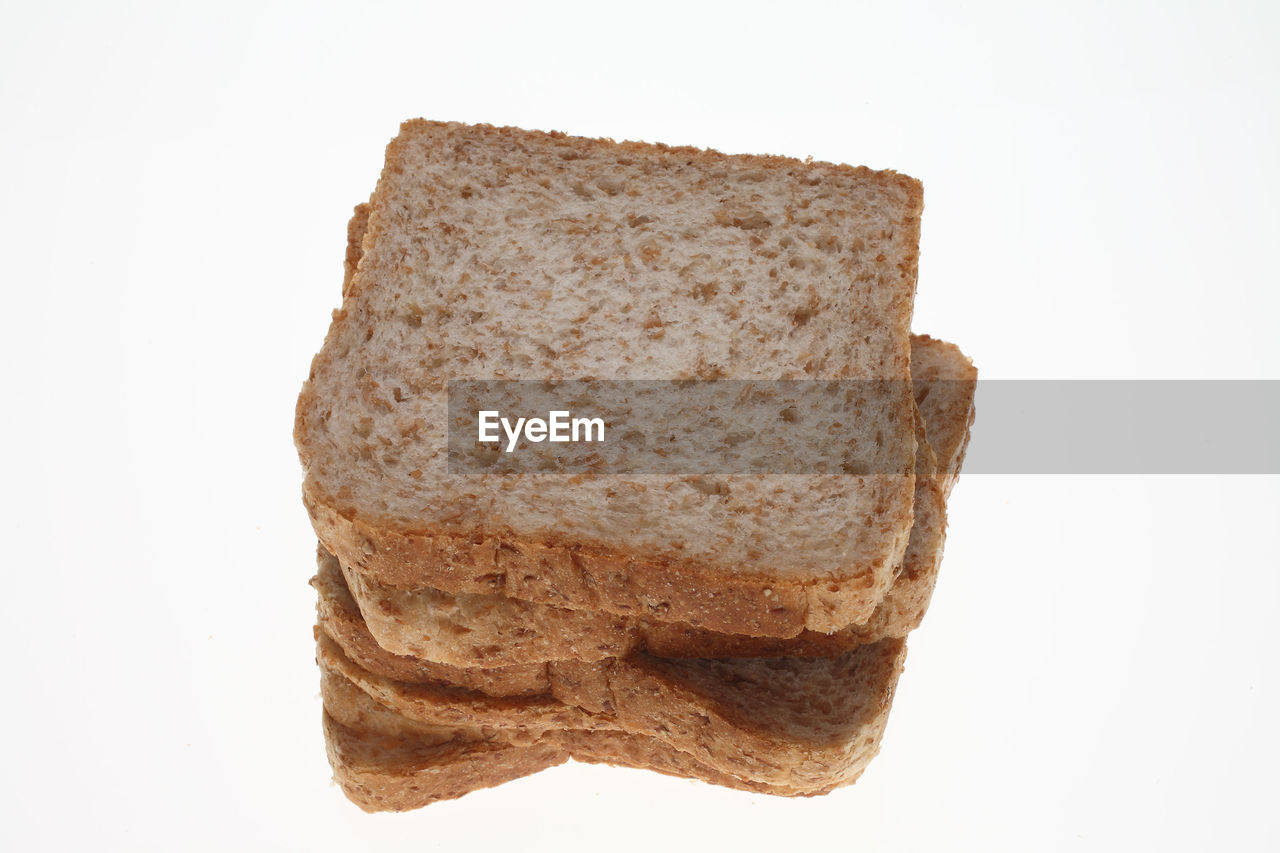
<point>803,725</point>
<point>477,630</point>
<point>499,253</point>
<point>384,761</point>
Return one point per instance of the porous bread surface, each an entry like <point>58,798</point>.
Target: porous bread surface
<point>478,630</point>
<point>351,707</point>
<point>621,749</point>
<point>339,617</point>
<point>944,380</point>
<point>497,253</point>
<point>743,717</point>
<point>385,762</point>
<point>393,767</point>
<point>356,227</point>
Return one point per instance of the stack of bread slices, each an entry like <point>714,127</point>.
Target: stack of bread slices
<point>746,629</point>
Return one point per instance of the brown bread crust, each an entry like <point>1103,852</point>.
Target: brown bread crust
<point>340,618</point>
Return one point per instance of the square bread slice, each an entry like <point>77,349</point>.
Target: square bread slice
<point>496,253</point>
<point>479,630</point>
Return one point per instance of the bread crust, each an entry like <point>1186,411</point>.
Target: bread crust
<point>339,617</point>
<point>576,575</point>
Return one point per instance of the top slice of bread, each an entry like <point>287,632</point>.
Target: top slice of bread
<point>496,253</point>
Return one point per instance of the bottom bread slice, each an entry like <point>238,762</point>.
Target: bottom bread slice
<point>384,761</point>
<point>803,725</point>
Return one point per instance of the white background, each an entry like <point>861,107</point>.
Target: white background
<point>1099,669</point>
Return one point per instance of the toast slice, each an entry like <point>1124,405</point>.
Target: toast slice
<point>401,771</point>
<point>384,761</point>
<point>804,724</point>
<point>476,630</point>
<point>499,253</point>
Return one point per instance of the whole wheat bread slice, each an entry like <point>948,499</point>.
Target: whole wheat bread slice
<point>803,724</point>
<point>498,253</point>
<point>384,761</point>
<point>477,630</point>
